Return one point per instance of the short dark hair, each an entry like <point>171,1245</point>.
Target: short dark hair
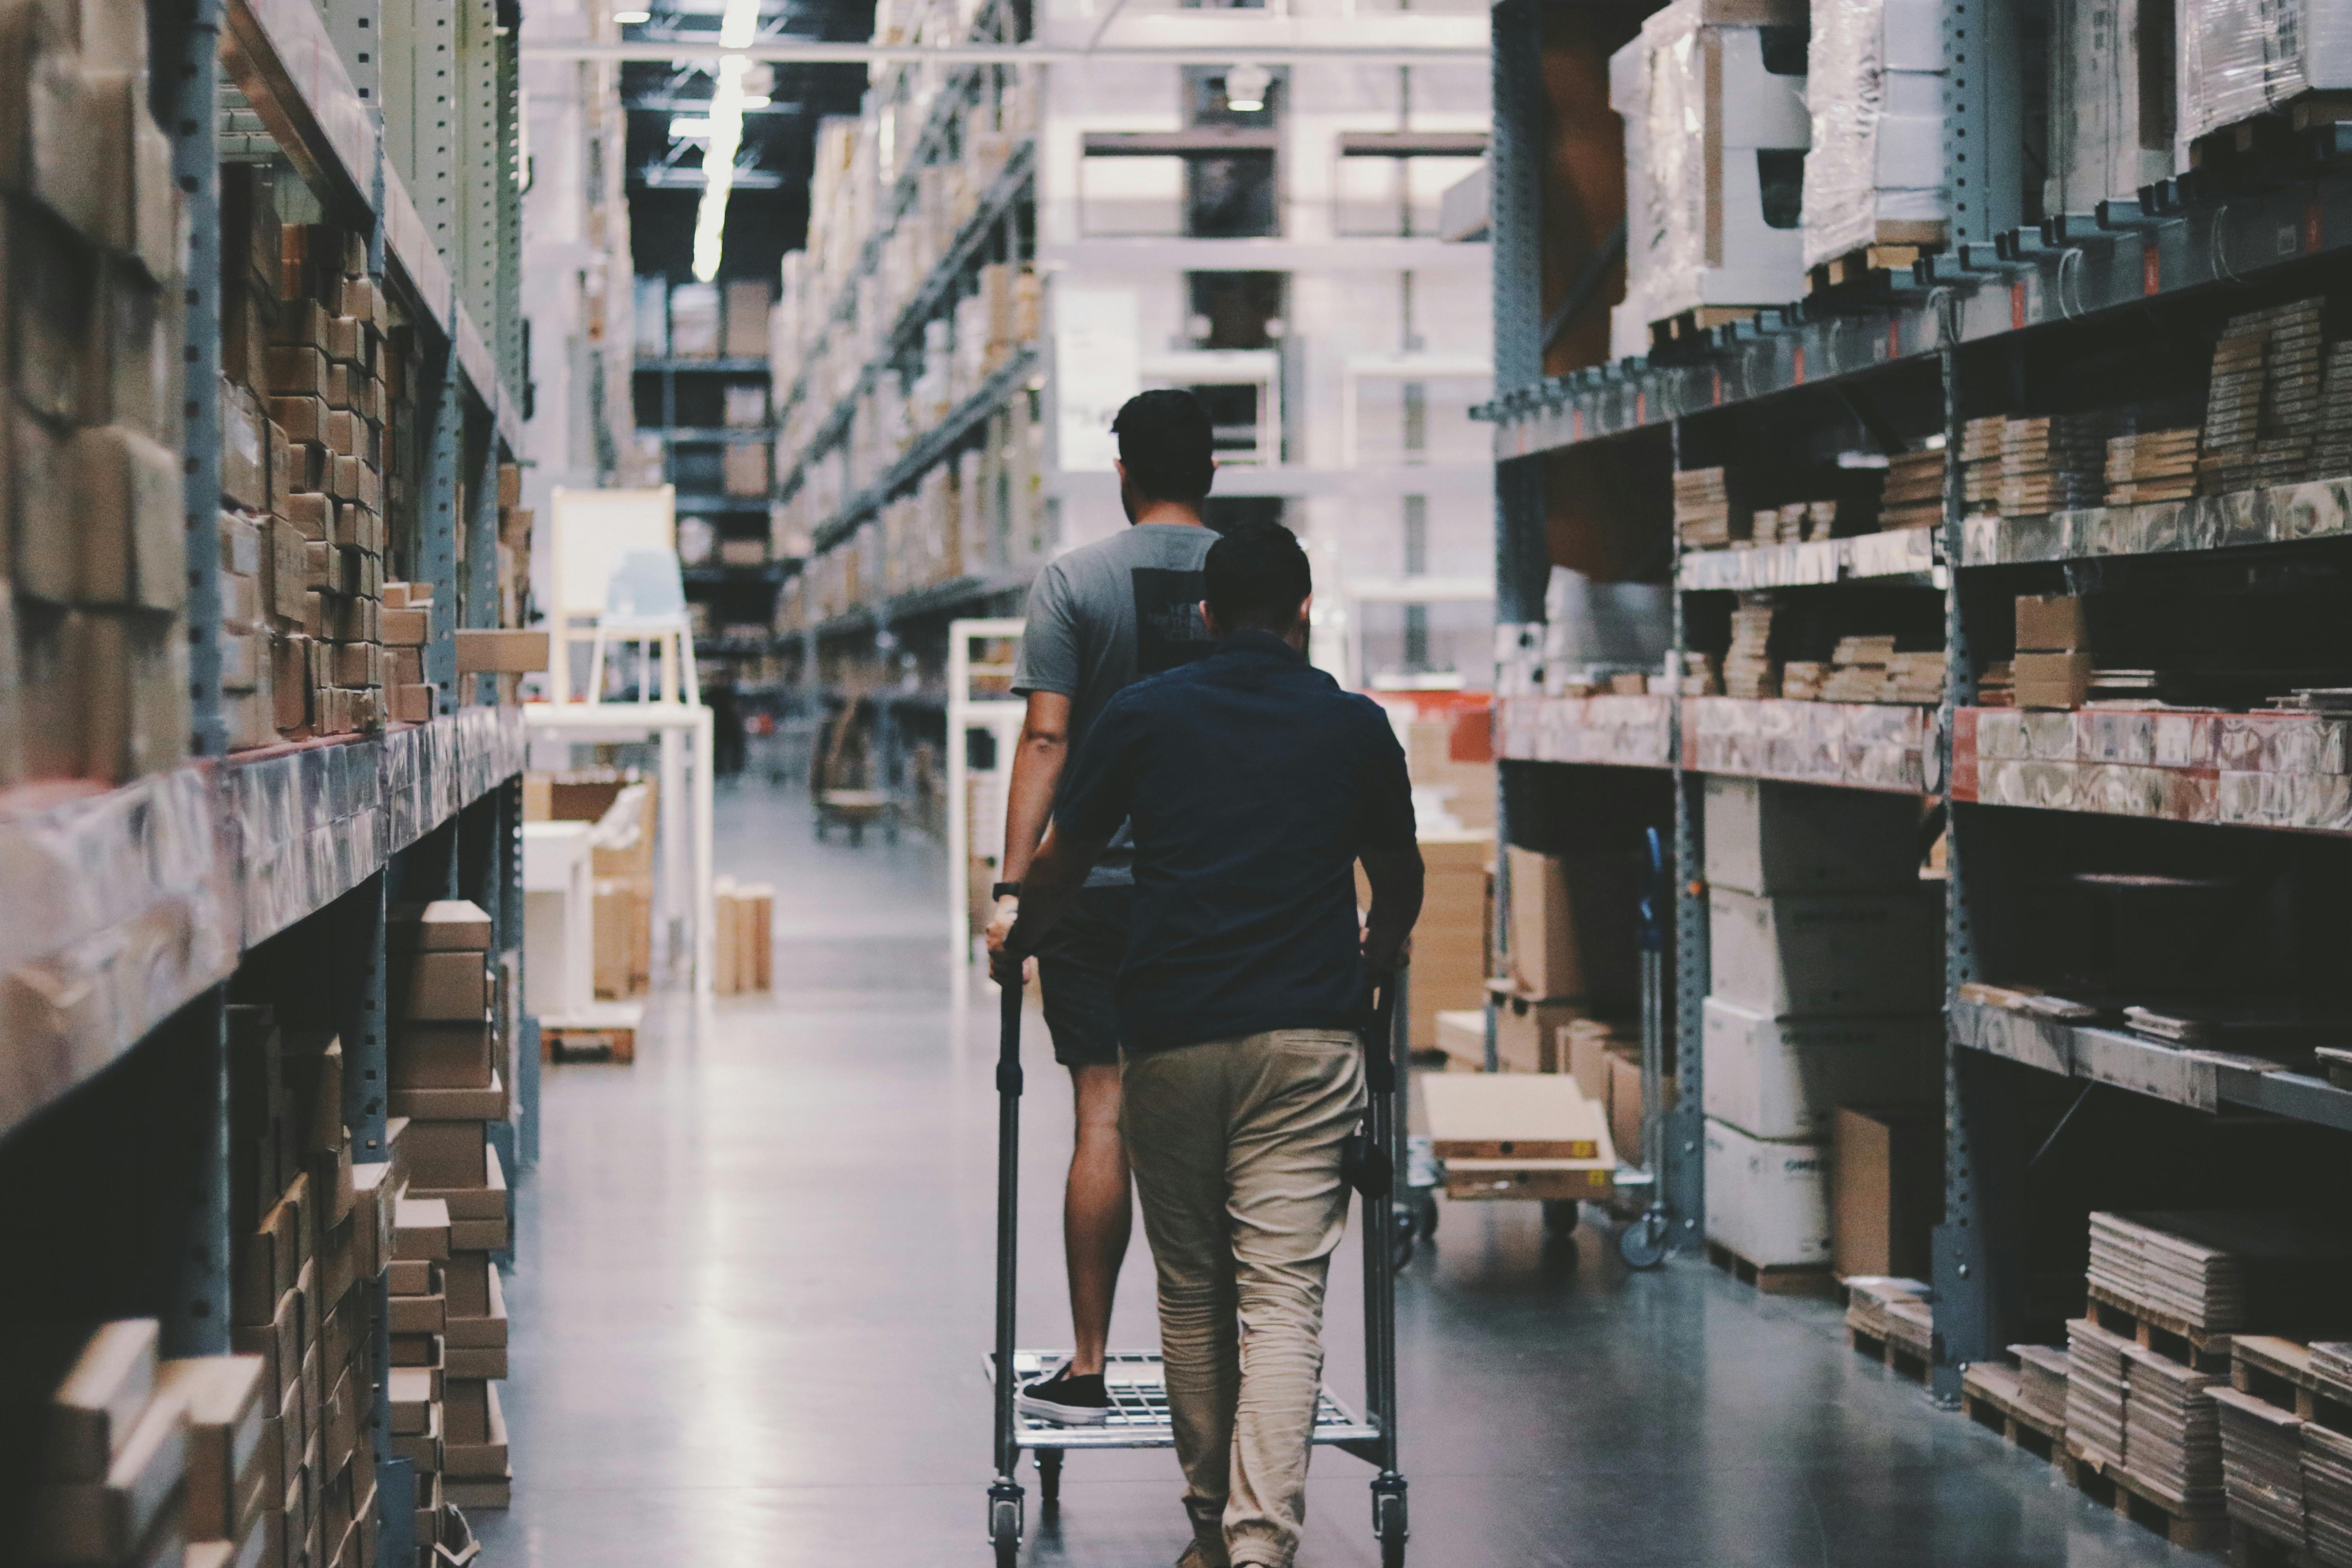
<point>1164,440</point>
<point>1257,576</point>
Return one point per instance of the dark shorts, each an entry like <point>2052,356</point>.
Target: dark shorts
<point>1076,967</point>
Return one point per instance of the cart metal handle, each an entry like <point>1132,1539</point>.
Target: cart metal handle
<point>1008,1209</point>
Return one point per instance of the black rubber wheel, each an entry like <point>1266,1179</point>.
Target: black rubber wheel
<point>1392,1554</point>
<point>1049,1477</point>
<point>1560,1216</point>
<point>1008,1553</point>
<point>1400,1238</point>
<point>1642,1241</point>
<point>1425,1208</point>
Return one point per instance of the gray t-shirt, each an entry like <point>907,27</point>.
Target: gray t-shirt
<point>1104,616</point>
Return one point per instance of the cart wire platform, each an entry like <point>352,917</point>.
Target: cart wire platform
<point>1138,1416</point>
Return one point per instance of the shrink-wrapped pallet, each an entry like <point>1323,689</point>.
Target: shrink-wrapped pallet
<point>2110,125</point>
<point>1712,96</point>
<point>1876,84</point>
<point>2239,58</point>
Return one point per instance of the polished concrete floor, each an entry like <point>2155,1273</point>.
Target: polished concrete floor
<point>754,1293</point>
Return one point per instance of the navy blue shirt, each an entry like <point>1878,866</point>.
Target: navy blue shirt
<point>1253,782</point>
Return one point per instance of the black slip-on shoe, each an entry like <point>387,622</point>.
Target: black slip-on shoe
<point>1071,1400</point>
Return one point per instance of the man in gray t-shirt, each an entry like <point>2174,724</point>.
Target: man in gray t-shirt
<point>1100,619</point>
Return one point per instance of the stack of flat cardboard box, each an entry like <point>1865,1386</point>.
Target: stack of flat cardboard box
<point>310,1239</point>
<point>156,1464</point>
<point>1826,976</point>
<point>98,683</point>
<point>311,369</point>
<point>2050,463</point>
<point>1913,493</point>
<point>448,1060</point>
<point>2151,466</point>
<point>1747,668</point>
<point>1981,451</point>
<point>1702,508</point>
<point>407,621</point>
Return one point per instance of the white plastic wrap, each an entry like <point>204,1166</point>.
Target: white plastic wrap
<point>2099,145</point>
<point>1698,105</point>
<point>2239,58</point>
<point>1875,85</point>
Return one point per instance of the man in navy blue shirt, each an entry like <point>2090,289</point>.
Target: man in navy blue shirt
<point>1253,785</point>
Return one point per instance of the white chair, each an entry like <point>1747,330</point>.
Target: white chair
<point>645,605</point>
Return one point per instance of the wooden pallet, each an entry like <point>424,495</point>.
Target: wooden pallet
<point>1689,327</point>
<point>2278,1371</point>
<point>1861,268</point>
<point>1900,1359</point>
<point>2110,1486</point>
<point>587,1040</point>
<point>1988,1393</point>
<point>2173,1338</point>
<point>1774,1279</point>
<point>2280,143</point>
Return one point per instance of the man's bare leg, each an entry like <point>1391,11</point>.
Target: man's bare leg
<point>1097,1215</point>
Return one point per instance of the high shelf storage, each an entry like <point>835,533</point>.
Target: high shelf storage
<point>269,577</point>
<point>2115,301</point>
<point>706,425</point>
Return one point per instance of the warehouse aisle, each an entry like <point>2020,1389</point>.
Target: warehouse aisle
<point>755,1289</point>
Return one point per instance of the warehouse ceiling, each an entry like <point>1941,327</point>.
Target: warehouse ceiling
<point>769,213</point>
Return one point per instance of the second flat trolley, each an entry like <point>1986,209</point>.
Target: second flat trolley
<point>1139,1418</point>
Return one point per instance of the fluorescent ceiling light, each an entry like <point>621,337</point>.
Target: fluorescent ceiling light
<point>632,18</point>
<point>1246,87</point>
<point>738,25</point>
<point>688,128</point>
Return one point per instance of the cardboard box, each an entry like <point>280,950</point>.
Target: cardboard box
<point>223,1396</point>
<point>466,1279</point>
<point>1835,954</point>
<point>1768,1202</point>
<point>440,987</point>
<point>445,1154</point>
<point>1625,1102</point>
<point>445,925</point>
<point>1584,1046</point>
<point>2052,679</point>
<point>1889,1190</point>
<point>105,1521</point>
<point>442,1056</point>
<point>1571,925</point>
<point>442,1107</point>
<point>501,652</point>
<point>483,1333</point>
<point>1449,942</point>
<point>1527,1031</point>
<point>475,1428</point>
<point>1461,1036</point>
<point>1785,1078</point>
<point>406,626</point>
<point>92,1411</point>
<point>1770,838</point>
<point>2051,622</point>
<point>420,1229</point>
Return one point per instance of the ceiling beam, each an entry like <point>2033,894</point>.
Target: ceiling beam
<point>812,52</point>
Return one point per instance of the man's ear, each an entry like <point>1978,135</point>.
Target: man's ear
<point>1120,469</point>
<point>1209,619</point>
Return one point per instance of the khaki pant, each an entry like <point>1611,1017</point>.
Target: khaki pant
<point>1236,1146</point>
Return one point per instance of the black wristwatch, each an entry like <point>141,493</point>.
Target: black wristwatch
<point>1005,891</point>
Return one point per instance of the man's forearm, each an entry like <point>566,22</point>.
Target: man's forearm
<point>1038,759</point>
<point>1397,882</point>
<point>1053,879</point>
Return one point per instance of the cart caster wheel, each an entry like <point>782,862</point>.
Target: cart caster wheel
<point>1561,1216</point>
<point>1049,1478</point>
<point>1388,1521</point>
<point>1004,1524</point>
<point>1642,1241</point>
<point>1399,1239</point>
<point>1424,1213</point>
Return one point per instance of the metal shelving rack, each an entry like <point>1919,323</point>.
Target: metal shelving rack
<point>1002,227</point>
<point>136,905</point>
<point>1959,338</point>
<point>734,586</point>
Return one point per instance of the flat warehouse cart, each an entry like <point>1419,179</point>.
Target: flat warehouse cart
<point>1138,1416</point>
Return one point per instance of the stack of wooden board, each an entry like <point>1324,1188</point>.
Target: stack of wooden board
<point>2052,463</point>
<point>2172,1437</point>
